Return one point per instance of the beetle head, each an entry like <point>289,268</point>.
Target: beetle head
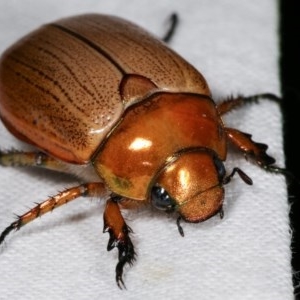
<point>191,184</point>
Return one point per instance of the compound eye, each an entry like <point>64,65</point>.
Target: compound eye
<point>161,199</point>
<point>220,169</point>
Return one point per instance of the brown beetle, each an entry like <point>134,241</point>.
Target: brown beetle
<point>97,90</point>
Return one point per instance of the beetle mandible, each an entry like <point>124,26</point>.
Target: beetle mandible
<point>98,90</point>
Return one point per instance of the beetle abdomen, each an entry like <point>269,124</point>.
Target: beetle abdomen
<point>61,86</point>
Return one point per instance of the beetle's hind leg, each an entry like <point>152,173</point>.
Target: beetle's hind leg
<point>93,189</point>
<point>118,230</point>
<point>14,158</point>
<point>232,103</point>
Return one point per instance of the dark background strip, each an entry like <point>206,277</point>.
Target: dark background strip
<point>290,80</point>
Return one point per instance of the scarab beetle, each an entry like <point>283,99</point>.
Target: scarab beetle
<point>98,90</point>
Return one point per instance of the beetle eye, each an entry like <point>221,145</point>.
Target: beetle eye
<point>220,169</point>
<point>161,199</point>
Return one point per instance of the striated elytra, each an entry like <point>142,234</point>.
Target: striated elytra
<point>96,90</point>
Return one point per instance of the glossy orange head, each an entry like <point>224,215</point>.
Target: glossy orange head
<point>191,184</point>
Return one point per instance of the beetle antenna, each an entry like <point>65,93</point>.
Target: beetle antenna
<point>173,25</point>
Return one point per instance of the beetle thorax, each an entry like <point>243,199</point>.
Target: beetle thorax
<point>150,133</point>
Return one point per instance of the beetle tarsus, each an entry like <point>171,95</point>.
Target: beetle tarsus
<point>260,155</point>
<point>13,226</point>
<point>180,229</point>
<point>126,253</point>
<point>119,279</point>
<point>221,213</point>
<point>256,98</point>
<point>276,170</point>
<point>119,231</point>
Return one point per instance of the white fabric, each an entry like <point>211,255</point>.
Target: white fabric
<point>244,256</point>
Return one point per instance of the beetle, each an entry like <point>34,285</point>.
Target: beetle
<point>99,92</point>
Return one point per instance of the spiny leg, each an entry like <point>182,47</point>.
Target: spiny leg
<point>243,141</point>
<point>232,103</point>
<point>94,189</point>
<point>31,159</point>
<point>257,151</point>
<point>118,230</point>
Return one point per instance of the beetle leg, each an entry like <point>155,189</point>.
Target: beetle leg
<point>232,103</point>
<point>88,190</point>
<point>221,213</point>
<point>243,140</point>
<point>242,175</point>
<point>173,24</point>
<point>245,144</point>
<point>118,230</point>
<point>31,159</point>
<point>180,229</point>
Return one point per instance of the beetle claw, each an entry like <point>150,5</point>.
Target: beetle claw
<point>119,276</point>
<point>173,25</point>
<point>180,229</point>
<point>126,255</point>
<point>221,213</point>
<point>119,231</point>
<point>13,226</point>
<point>120,282</point>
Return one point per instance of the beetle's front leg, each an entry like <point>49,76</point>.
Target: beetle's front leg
<point>255,150</point>
<point>118,230</point>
